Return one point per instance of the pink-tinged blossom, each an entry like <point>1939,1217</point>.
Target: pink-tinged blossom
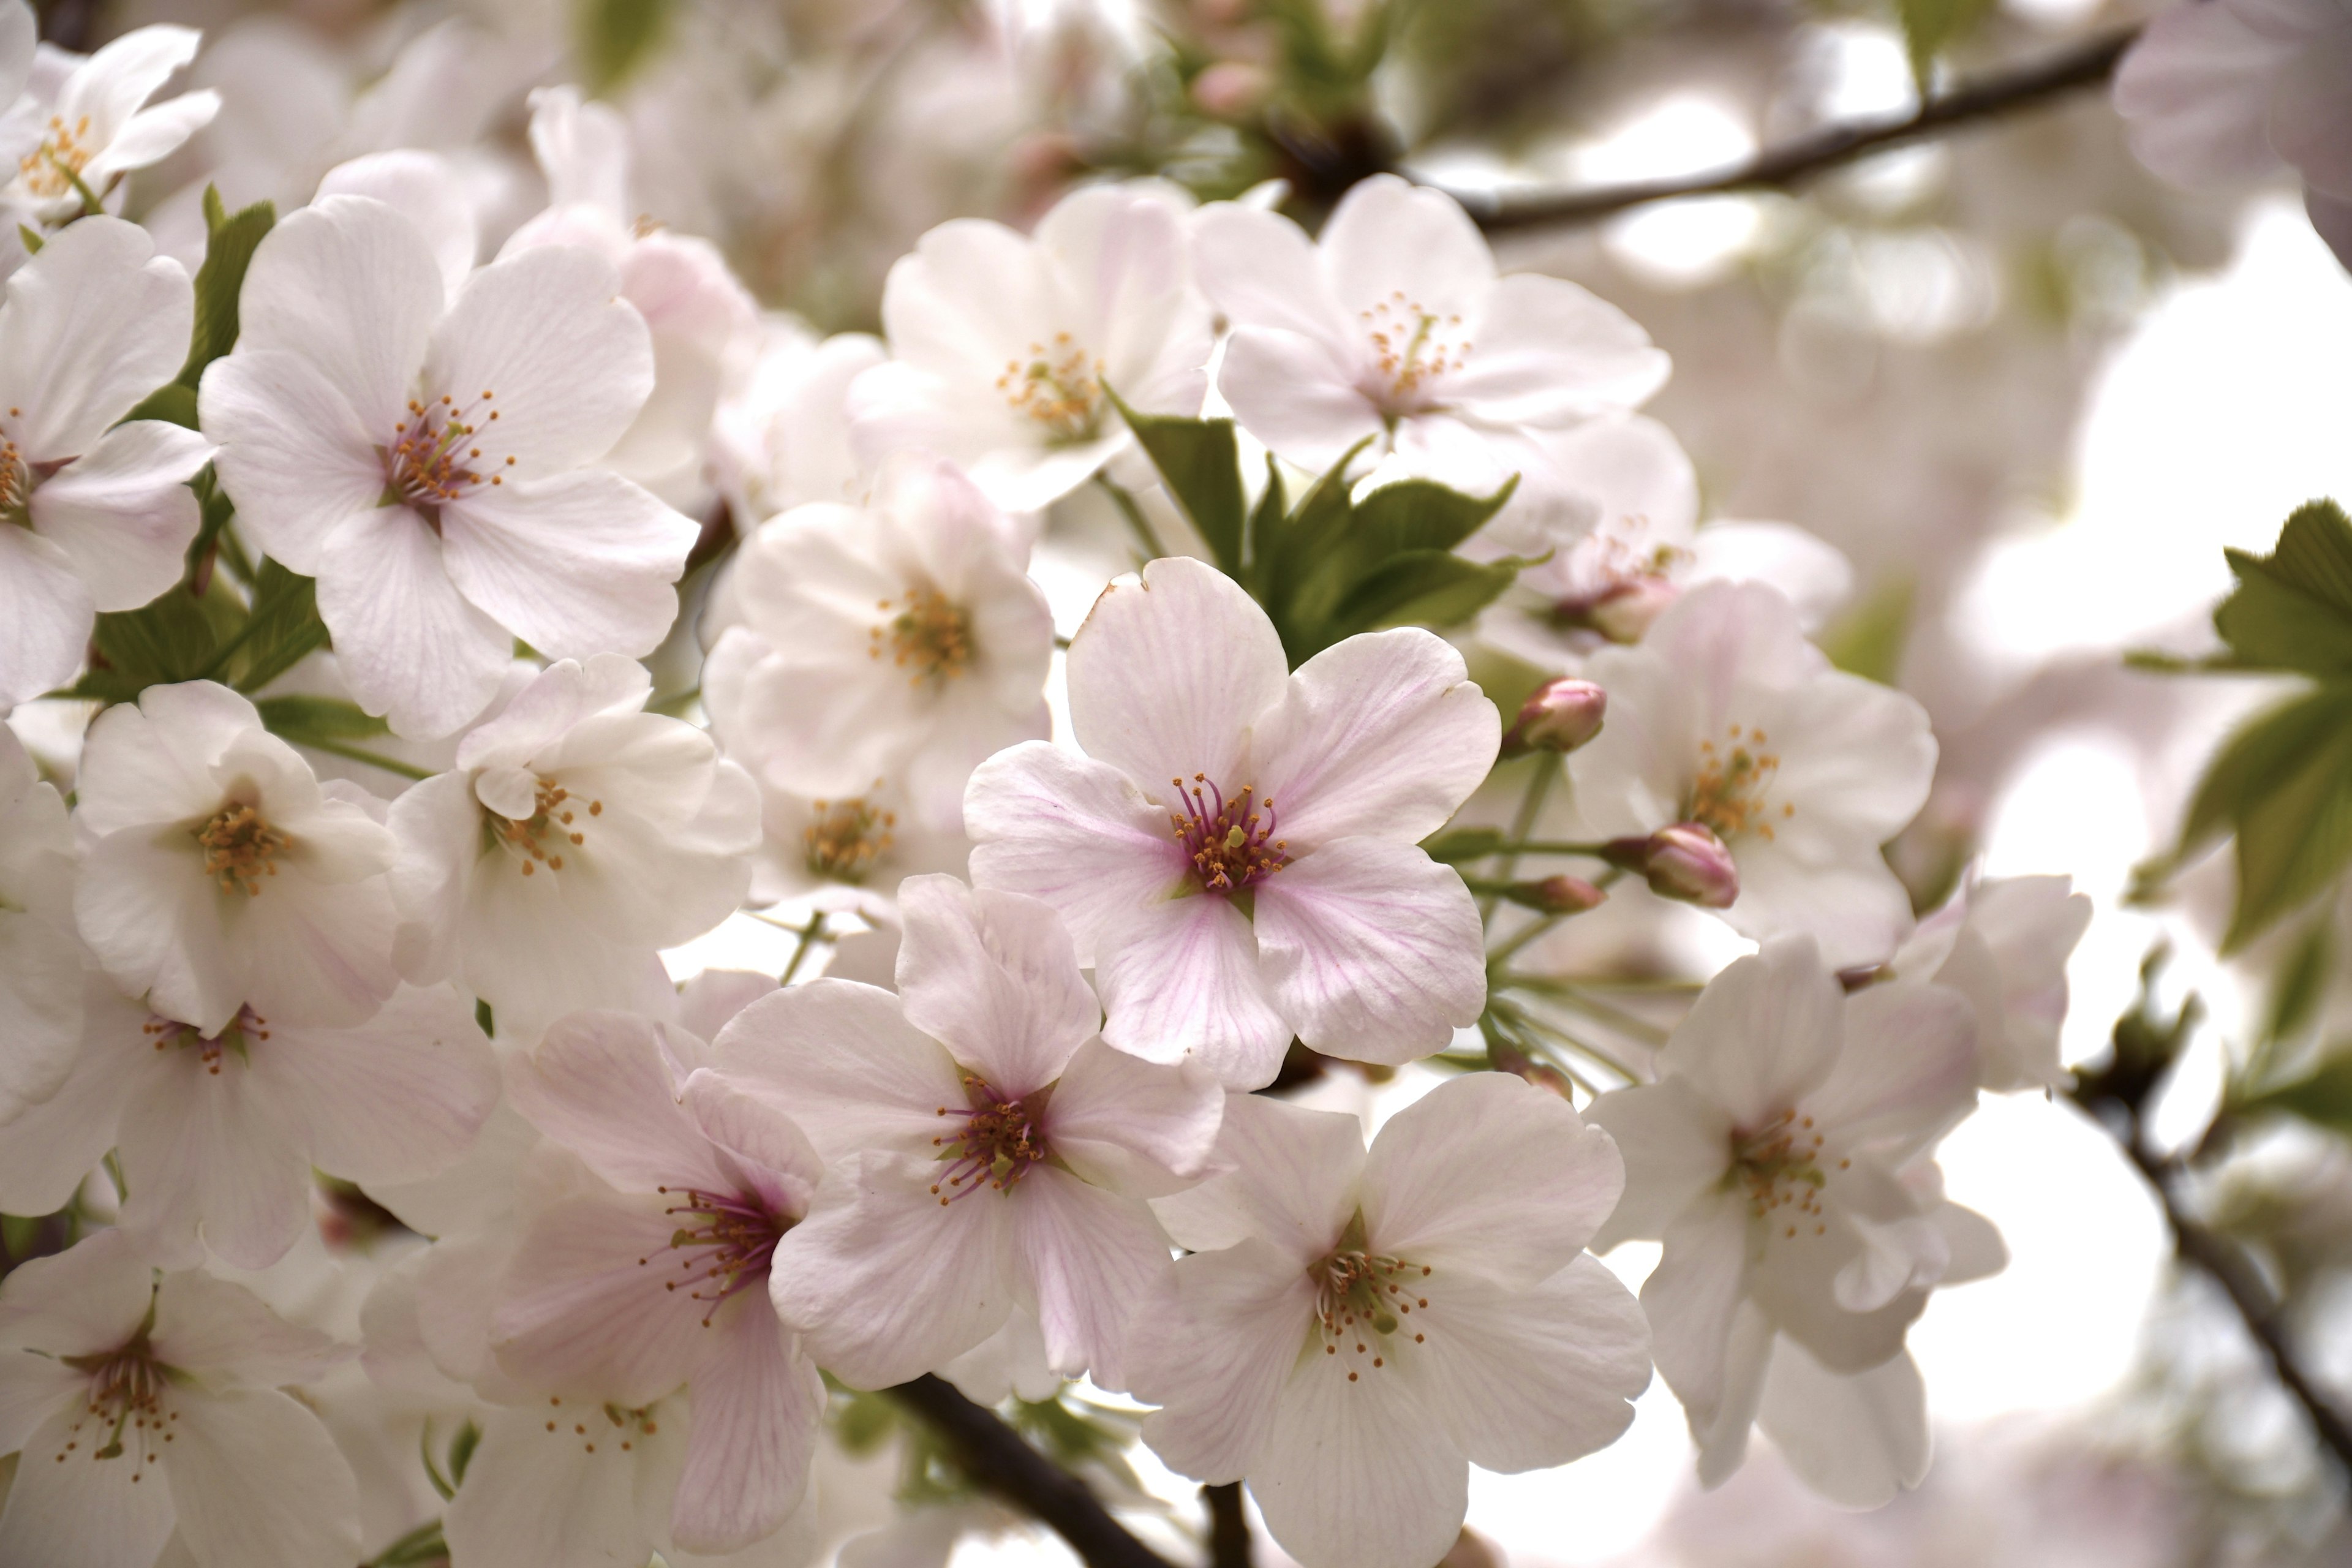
<point>887,648</point>
<point>672,1411</point>
<point>986,1151</point>
<point>151,1407</point>
<point>427,455</point>
<point>217,1132</point>
<point>577,836</point>
<point>1353,1331</point>
<point>1784,1157</point>
<point>84,120</point>
<point>782,429</point>
<point>1394,329</point>
<point>1007,347</point>
<point>40,957</point>
<point>1237,852</point>
<point>89,327</point>
<point>2004,943</point>
<point>1726,716</point>
<point>219,874</point>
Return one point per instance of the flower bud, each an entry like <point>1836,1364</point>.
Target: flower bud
<point>1685,861</point>
<point>1559,717</point>
<point>1624,613</point>
<point>1231,89</point>
<point>1561,895</point>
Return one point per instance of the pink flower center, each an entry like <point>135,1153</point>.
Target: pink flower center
<point>247,1026</point>
<point>1231,843</point>
<point>436,456</point>
<point>723,1244</point>
<point>125,1410</point>
<point>1362,1301</point>
<point>1780,1167</point>
<point>1001,1137</point>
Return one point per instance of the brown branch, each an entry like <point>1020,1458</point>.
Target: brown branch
<point>1229,1531</point>
<point>998,1458</point>
<point>2085,64</point>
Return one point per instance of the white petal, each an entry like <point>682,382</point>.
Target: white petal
<point>1525,1379</point>
<point>1909,1070</point>
<point>1213,1346</point>
<point>1830,885</point>
<point>1295,395</point>
<point>68,1509</point>
<point>92,325</point>
<point>1090,1256</point>
<point>887,1282</point>
<point>46,617</point>
<point>991,975</point>
<point>536,1499</point>
<point>425,188</point>
<point>123,511</point>
<point>200,1149</point>
<point>750,1120</point>
<point>1382,735</point>
<point>352,286</point>
<point>1815,575</point>
<point>257,1481</point>
<point>1358,1473</point>
<point>111,85</point>
<point>226,1335</point>
<point>1765,1032</point>
<point>32,1389</point>
<point>1722,1437</point>
<point>1374,950</point>
<point>49,1145</point>
<point>576,563</point>
<point>395,1099</point>
<point>1858,753</point>
<point>1169,671</point>
<point>2194,96</point>
<point>1387,235</point>
<point>1857,1440</point>
<point>410,644</point>
<point>1677,1143</point>
<point>1691,1297</point>
<point>1491,1174</point>
<point>293,453</point>
<point>598,1083</point>
<point>90,1297</point>
<point>1138,1127</point>
<point>855,1074</point>
<point>754,1405</point>
<point>1293,1181</point>
<point>1073,832</point>
<point>1261,271</point>
<point>1183,978</point>
<point>152,135</point>
<point>598,1303</point>
<point>1549,351</point>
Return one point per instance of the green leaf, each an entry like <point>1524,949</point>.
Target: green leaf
<point>174,402</point>
<point>302,718</point>
<point>2292,776</point>
<point>2323,1097</point>
<point>1423,588</point>
<point>618,37</point>
<point>1868,639</point>
<point>461,1451</point>
<point>171,639</point>
<point>1419,514</point>
<point>31,238</point>
<point>284,626</point>
<point>1200,463</point>
<point>1932,26</point>
<point>2293,608</point>
<point>2260,754</point>
<point>229,243</point>
<point>2300,983</point>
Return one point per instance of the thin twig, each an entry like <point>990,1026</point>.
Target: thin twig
<point>809,935</point>
<point>1132,510</point>
<point>997,1457</point>
<point>1229,1531</point>
<point>2086,64</point>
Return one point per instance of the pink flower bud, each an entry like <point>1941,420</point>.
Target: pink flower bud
<point>1687,861</point>
<point>1561,895</point>
<point>1560,716</point>
<point>1624,613</point>
<point>1231,89</point>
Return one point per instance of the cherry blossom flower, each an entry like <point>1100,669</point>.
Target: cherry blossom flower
<point>986,1149</point>
<point>1005,349</point>
<point>1236,853</point>
<point>895,645</point>
<point>576,835</point>
<point>1394,329</point>
<point>424,458</point>
<point>697,315</point>
<point>2230,92</point>
<point>849,854</point>
<point>102,511</point>
<point>92,123</point>
<point>219,1129</point>
<point>1783,1159</point>
<point>2004,943</point>
<point>1353,1331</point>
<point>1726,716</point>
<point>781,436</point>
<point>219,874</point>
<point>148,1407</point>
<point>40,956</point>
<point>622,1296</point>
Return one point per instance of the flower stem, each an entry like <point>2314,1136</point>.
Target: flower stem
<point>1530,807</point>
<point>1229,1531</point>
<point>1132,510</point>
<point>810,934</point>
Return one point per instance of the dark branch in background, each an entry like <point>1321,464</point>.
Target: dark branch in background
<point>2086,64</point>
<point>999,1460</point>
<point>1229,1531</point>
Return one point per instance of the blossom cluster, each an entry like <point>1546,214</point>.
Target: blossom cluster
<point>362,565</point>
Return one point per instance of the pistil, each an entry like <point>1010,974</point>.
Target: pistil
<point>1001,1139</point>
<point>1231,843</point>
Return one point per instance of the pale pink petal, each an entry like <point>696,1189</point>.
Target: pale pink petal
<point>1856,752</point>
<point>92,325</point>
<point>1387,236</point>
<point>88,1298</point>
<point>46,617</point>
<point>85,1511</point>
<point>412,648</point>
<point>425,188</point>
<point>1294,393</point>
<point>1372,950</point>
<point>1356,1472</point>
<point>1909,1070</point>
<point>1260,270</point>
<point>1722,1437</point>
<point>1856,1439</point>
<point>1090,1255</point>
<point>1764,1033</point>
<point>540,1499</point>
<point>352,286</point>
<point>257,1481</point>
<point>148,912</point>
<point>1824,884</point>
<point>841,1060</point>
<point>1183,978</point>
<point>748,1118</point>
<point>395,1099</point>
<point>32,1389</point>
<point>226,1336</point>
<point>1549,353</point>
<point>598,1084</point>
<point>574,564</point>
<point>1142,1129</point>
<point>1676,1143</point>
<point>202,1151</point>
<point>1293,1181</point>
<point>1490,1174</point>
<point>1073,832</point>
<point>1169,671</point>
<point>755,1404</point>
<point>1692,1297</point>
<point>888,1281</point>
<point>42,995</point>
<point>123,511</point>
<point>598,1302</point>
<point>2194,94</point>
<point>993,976</point>
<point>293,454</point>
<point>1382,735</point>
<point>1214,1344</point>
<point>50,1145</point>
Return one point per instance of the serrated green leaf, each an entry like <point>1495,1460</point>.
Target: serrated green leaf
<point>2262,751</point>
<point>302,718</point>
<point>174,402</point>
<point>1420,514</point>
<point>229,244</point>
<point>2295,825</point>
<point>1422,587</point>
<point>1869,638</point>
<point>2292,609</point>
<point>2323,1097</point>
<point>1201,464</point>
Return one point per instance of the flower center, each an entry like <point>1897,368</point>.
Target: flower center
<point>1729,794</point>
<point>435,454</point>
<point>55,166</point>
<point>847,838</point>
<point>240,848</point>
<point>931,636</point>
<point>1413,349</point>
<point>1362,1299</point>
<point>1001,1139</point>
<point>539,839</point>
<point>1781,1168</point>
<point>234,1037</point>
<point>126,1410</point>
<point>620,1424</point>
<point>1059,388</point>
<point>723,1243</point>
<point>1230,842</point>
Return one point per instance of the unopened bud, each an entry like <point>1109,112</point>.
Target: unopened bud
<point>1231,89</point>
<point>1685,861</point>
<point>1559,717</point>
<point>1561,895</point>
<point>1623,613</point>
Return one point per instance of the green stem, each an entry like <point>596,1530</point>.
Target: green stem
<point>1520,1019</point>
<point>1517,940</point>
<point>419,1546</point>
<point>1629,1024</point>
<point>809,935</point>
<point>91,205</point>
<point>1518,847</point>
<point>1132,510</point>
<point>1531,807</point>
<point>358,754</point>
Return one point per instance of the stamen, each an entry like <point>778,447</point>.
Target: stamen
<point>1414,347</point>
<point>1351,1305</point>
<point>430,460</point>
<point>1781,1168</point>
<point>930,632</point>
<point>1059,388</point>
<point>1231,844</point>
<point>723,1248</point>
<point>1730,793</point>
<point>530,839</point>
<point>240,848</point>
<point>1001,1139</point>
<point>847,838</point>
